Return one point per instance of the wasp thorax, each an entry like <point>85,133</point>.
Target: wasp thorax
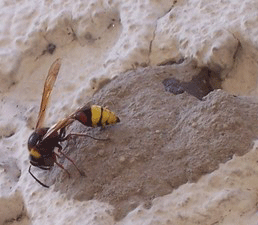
<point>36,137</point>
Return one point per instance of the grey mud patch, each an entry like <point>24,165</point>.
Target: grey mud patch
<point>162,141</point>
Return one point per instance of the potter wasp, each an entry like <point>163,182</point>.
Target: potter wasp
<point>44,141</point>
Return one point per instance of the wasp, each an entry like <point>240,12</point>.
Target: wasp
<point>44,141</point>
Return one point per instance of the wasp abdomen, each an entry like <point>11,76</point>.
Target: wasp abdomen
<point>96,116</point>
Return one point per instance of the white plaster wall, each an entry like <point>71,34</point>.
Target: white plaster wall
<point>101,38</point>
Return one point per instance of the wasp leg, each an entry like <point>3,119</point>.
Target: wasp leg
<point>59,151</point>
<point>62,133</point>
<point>84,135</point>
<point>61,166</point>
<point>37,179</point>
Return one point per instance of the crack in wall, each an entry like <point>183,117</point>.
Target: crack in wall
<point>238,49</point>
<point>154,32</point>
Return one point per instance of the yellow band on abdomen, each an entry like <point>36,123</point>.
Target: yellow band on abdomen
<point>95,114</point>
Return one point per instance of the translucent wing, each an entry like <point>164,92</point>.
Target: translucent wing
<point>49,83</point>
<point>61,124</point>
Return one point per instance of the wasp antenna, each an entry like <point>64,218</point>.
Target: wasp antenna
<point>37,179</point>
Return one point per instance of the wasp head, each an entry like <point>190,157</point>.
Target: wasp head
<point>42,152</point>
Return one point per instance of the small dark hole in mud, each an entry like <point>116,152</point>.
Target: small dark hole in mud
<point>199,86</point>
<point>88,36</point>
<point>51,48</point>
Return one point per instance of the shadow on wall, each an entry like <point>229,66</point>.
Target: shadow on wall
<point>13,210</point>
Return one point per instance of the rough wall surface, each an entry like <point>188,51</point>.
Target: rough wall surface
<point>98,40</point>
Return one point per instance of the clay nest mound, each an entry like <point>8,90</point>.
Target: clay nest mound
<point>163,140</point>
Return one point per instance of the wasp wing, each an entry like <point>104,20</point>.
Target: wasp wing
<point>59,125</point>
<point>62,123</point>
<point>49,83</point>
